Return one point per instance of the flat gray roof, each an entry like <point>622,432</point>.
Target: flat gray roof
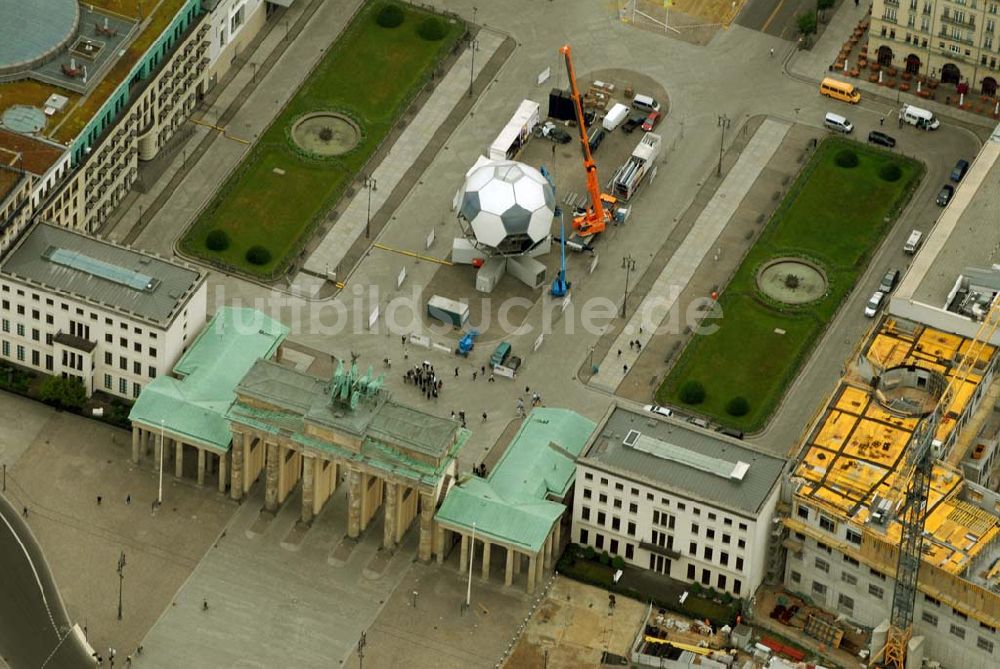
<point>681,458</point>
<point>106,275</point>
<point>965,235</point>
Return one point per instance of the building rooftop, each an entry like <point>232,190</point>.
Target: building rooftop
<point>512,505</point>
<point>103,274</point>
<point>128,29</point>
<point>193,403</point>
<point>849,462</point>
<point>32,155</point>
<point>675,456</point>
<point>965,236</point>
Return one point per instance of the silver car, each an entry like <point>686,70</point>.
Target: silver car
<point>874,304</point>
<point>657,409</point>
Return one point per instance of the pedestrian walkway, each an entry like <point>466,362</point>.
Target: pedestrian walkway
<point>661,298</point>
<point>349,227</point>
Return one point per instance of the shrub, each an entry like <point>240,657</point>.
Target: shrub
<point>696,588</point>
<point>217,240</point>
<point>807,23</point>
<point>432,29</point>
<point>390,16</point>
<point>727,598</point>
<point>326,133</point>
<point>890,172</point>
<point>792,281</point>
<point>738,406</point>
<point>692,392</point>
<point>846,159</point>
<point>618,562</point>
<point>604,558</point>
<point>258,255</point>
<point>589,552</point>
<point>67,393</point>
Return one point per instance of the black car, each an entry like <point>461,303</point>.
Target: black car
<point>633,122</point>
<point>944,197</point>
<point>889,281</point>
<point>876,137</point>
<point>961,167</point>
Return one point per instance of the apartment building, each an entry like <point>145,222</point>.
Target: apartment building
<point>954,41</point>
<point>109,90</point>
<point>842,530</point>
<point>114,318</point>
<point>673,498</point>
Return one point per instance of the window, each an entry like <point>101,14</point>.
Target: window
<point>691,572</point>
<point>706,577</point>
<point>601,518</point>
<point>237,19</point>
<point>849,578</point>
<point>599,540</point>
<point>35,358</point>
<point>710,533</point>
<point>629,551</point>
<point>726,538</point>
<point>6,305</point>
<point>711,516</point>
<point>724,559</point>
<point>727,521</point>
<point>619,486</point>
<point>137,367</point>
<point>721,581</point>
<point>851,561</point>
<point>694,528</point>
<point>6,325</point>
<point>152,372</point>
<point>823,565</point>
<point>585,513</point>
<point>649,497</point>
<point>743,527</point>
<point>633,507</point>
<point>741,543</point>
<point>617,503</point>
<point>35,335</point>
<point>708,553</point>
<point>681,506</point>
<point>586,493</point>
<point>122,386</point>
<point>984,644</point>
<point>795,576</point>
<point>739,564</point>
<point>20,353</point>
<point>931,600</point>
<point>49,320</point>
<point>35,315</point>
<point>827,524</point>
<point>876,591</point>
<point>616,523</point>
<point>109,338</point>
<point>959,614</point>
<point>613,548</point>
<point>20,310</point>
<point>929,618</point>
<point>6,348</point>
<point>854,537</point>
<point>588,476</point>
<point>137,346</point>
<point>737,586</point>
<point>693,548</point>
<point>584,536</point>
<point>48,362</point>
<point>818,588</point>
<point>123,363</point>
<point>20,330</point>
<point>845,603</point>
<point>604,481</point>
<point>602,498</point>
<point>630,529</point>
<point>107,381</point>
<point>877,574</point>
<point>957,631</point>
<point>696,511</point>
<point>123,342</point>
<point>634,492</point>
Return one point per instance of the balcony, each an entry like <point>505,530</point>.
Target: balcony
<point>659,550</point>
<point>944,34</point>
<point>965,23</point>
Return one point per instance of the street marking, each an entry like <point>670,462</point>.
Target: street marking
<point>773,14</point>
<point>446,263</point>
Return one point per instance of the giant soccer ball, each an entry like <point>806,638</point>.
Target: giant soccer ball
<point>507,206</point>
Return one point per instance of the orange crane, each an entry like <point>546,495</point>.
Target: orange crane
<point>595,217</point>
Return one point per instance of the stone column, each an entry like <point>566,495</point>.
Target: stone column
<point>222,473</point>
<point>541,572</point>
<point>509,576</point>
<point>209,463</point>
<point>517,563</point>
<point>136,438</point>
<point>353,503</point>
<point>532,573</point>
<point>157,446</point>
<point>463,559</point>
<point>486,559</point>
<point>548,551</point>
<point>236,479</point>
<point>426,526</point>
<point>389,529</point>
<point>201,466</point>
<point>439,543</point>
<point>558,535</point>
<point>281,473</point>
<point>308,483</point>
<point>271,478</point>
<point>179,460</point>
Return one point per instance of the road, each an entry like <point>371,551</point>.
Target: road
<point>35,629</point>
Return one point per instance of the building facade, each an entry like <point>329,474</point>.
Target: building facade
<point>678,500</point>
<point>114,318</point>
<point>954,41</point>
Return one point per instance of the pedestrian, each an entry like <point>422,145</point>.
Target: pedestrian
<point>483,369</point>
<point>99,498</point>
<point>638,346</point>
<point>25,512</point>
<point>204,605</point>
<point>492,380</point>
<point>855,3</point>
<point>619,353</point>
<point>772,51</point>
<point>474,375</point>
<point>128,499</point>
<point>484,416</point>
<point>456,372</point>
<point>520,403</point>
<point>403,337</point>
<point>881,120</point>
<point>453,415</point>
<point>625,368</point>
<point>152,507</point>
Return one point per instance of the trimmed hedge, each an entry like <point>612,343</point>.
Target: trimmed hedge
<point>390,16</point>
<point>432,29</point>
<point>738,406</point>
<point>846,159</point>
<point>217,240</point>
<point>258,255</point>
<point>890,172</point>
<point>692,392</point>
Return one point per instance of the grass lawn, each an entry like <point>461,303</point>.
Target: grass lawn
<point>833,216</point>
<point>371,73</point>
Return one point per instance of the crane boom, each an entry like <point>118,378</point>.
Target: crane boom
<point>595,218</point>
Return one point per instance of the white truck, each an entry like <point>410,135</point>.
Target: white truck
<point>614,117</point>
<point>630,175</point>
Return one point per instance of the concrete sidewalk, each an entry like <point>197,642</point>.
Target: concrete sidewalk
<point>658,302</point>
<point>352,223</point>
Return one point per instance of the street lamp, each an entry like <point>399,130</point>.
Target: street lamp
<point>723,123</point>
<point>121,578</point>
<point>371,184</point>
<point>473,46</point>
<point>628,264</point>
<point>361,651</point>
<point>159,494</point>
<point>472,553</point>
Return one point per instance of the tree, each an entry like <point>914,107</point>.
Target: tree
<point>66,393</point>
<point>807,23</point>
<point>738,406</point>
<point>258,255</point>
<point>217,240</point>
<point>390,16</point>
<point>822,6</point>
<point>692,392</point>
<point>618,562</point>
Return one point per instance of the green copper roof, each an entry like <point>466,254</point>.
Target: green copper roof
<point>511,505</point>
<point>194,404</point>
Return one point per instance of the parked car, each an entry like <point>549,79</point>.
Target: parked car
<point>877,137</point>
<point>651,120</point>
<point>513,363</point>
<point>550,130</point>
<point>961,167</point>
<point>731,432</point>
<point>944,197</point>
<point>874,304</point>
<point>633,122</point>
<point>700,422</point>
<point>889,281</point>
<point>657,409</point>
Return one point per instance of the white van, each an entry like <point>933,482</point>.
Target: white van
<point>838,123</point>
<point>645,103</point>
<point>614,117</point>
<point>913,242</point>
<point>920,118</point>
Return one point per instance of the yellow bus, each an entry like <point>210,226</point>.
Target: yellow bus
<point>839,90</point>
